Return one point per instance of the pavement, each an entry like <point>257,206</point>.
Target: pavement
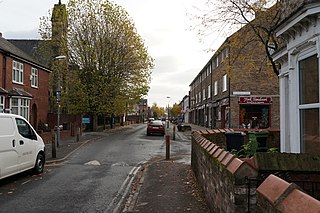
<point>159,185</point>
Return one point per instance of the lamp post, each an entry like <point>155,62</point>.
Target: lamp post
<point>58,96</point>
<point>168,111</point>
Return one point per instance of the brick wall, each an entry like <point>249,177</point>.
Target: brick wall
<point>223,177</point>
<point>277,195</point>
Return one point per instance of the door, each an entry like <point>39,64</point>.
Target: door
<point>26,144</point>
<point>8,148</point>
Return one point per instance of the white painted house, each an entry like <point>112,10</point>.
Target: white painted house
<point>299,79</point>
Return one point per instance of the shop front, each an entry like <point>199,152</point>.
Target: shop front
<point>255,112</point>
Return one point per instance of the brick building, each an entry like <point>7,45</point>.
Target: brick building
<point>237,87</point>
<point>23,84</point>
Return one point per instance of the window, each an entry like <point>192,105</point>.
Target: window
<point>20,106</point>
<point>309,104</point>
<point>199,96</point>
<point>224,83</point>
<point>215,92</point>
<point>204,94</point>
<point>227,52</point>
<point>1,103</point>
<point>217,61</point>
<point>209,91</point>
<point>25,130</point>
<point>17,72</point>
<point>34,77</point>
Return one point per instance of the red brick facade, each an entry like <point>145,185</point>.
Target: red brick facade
<point>37,96</point>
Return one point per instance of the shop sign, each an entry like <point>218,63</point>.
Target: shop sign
<point>241,93</point>
<point>255,100</point>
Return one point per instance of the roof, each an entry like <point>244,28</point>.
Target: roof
<point>3,91</point>
<point>14,51</point>
<point>28,46</point>
<point>19,92</point>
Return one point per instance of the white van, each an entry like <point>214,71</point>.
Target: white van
<point>21,148</point>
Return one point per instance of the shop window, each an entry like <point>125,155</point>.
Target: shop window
<point>254,116</point>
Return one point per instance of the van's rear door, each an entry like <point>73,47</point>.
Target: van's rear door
<point>8,147</point>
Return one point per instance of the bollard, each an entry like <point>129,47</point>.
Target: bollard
<point>167,147</point>
<point>78,135</point>
<point>53,143</point>
<point>174,133</point>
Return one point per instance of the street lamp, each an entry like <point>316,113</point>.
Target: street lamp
<point>58,96</point>
<point>168,111</point>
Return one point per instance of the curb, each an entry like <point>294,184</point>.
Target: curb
<point>117,203</point>
<point>56,161</point>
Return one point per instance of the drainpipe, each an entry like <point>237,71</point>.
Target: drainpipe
<point>4,72</point>
<point>229,84</point>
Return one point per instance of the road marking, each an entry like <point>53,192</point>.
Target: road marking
<point>93,163</point>
<point>115,205</point>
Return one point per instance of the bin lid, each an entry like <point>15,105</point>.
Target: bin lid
<point>262,133</point>
<point>235,133</point>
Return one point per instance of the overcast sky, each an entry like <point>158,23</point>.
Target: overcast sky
<point>178,54</point>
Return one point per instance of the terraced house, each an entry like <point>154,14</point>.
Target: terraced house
<point>23,84</point>
<point>237,87</point>
<point>299,76</point>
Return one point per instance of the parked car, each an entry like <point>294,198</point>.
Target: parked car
<point>21,148</point>
<point>155,127</point>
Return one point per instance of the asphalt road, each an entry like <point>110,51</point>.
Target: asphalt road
<point>94,179</point>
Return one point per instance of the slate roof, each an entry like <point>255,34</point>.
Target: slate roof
<point>3,91</point>
<point>19,92</point>
<point>9,48</point>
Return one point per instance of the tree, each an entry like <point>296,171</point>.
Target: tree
<point>158,111</point>
<point>262,16</point>
<point>175,110</point>
<point>110,66</point>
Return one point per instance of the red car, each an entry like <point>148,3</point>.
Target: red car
<point>155,127</point>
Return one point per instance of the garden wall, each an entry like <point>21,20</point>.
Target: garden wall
<point>225,178</point>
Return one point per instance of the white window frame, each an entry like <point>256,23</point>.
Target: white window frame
<point>17,72</point>
<point>227,52</point>
<point>204,94</point>
<point>224,83</point>
<point>34,77</point>
<point>21,108</point>
<point>2,103</point>
<point>302,107</point>
<point>209,91</point>
<point>215,92</point>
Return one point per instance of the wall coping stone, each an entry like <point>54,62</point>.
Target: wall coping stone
<point>297,201</point>
<point>234,165</point>
<point>218,152</point>
<point>227,160</point>
<point>222,155</point>
<point>215,148</point>
<point>272,188</point>
<point>212,145</point>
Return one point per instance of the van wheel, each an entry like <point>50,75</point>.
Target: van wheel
<point>39,166</point>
